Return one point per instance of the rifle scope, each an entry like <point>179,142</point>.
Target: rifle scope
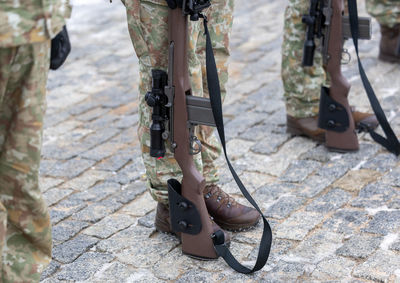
<point>157,99</point>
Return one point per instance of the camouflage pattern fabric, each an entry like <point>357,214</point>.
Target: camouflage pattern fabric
<point>302,85</point>
<point>147,22</point>
<point>30,21</point>
<point>386,12</point>
<point>25,230</point>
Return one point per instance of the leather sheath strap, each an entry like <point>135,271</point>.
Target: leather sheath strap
<point>391,143</point>
<point>332,115</point>
<point>216,105</point>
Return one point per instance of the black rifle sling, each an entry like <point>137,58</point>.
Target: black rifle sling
<point>216,105</point>
<point>391,142</point>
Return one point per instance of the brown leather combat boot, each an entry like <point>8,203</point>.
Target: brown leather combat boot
<point>163,223</point>
<point>389,49</point>
<point>309,126</point>
<point>228,213</point>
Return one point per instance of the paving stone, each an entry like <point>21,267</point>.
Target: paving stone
<point>355,180</point>
<point>69,169</point>
<point>374,195</point>
<point>50,270</point>
<point>92,114</point>
<point>313,185</point>
<point>101,122</point>
<point>319,153</point>
<point>70,250</point>
<point>140,206</point>
<point>277,163</point>
<point>252,182</point>
<point>384,222</point>
<point>379,267</point>
<point>345,221</point>
<point>359,246</point>
<point>110,225</point>
<point>299,170</point>
<point>100,136</point>
<point>115,162</point>
<point>64,209</point>
<point>86,180</point>
<point>83,267</point>
<point>330,201</point>
<point>127,121</point>
<point>237,148</point>
<point>240,124</point>
<point>100,152</point>
<point>332,269</point>
<point>270,143</point>
<point>392,178</point>
<point>164,270</point>
<point>318,246</point>
<point>297,226</point>
<point>117,271</point>
<point>148,220</point>
<point>395,246</point>
<point>258,132</point>
<point>65,230</point>
<point>382,162</point>
<point>54,195</point>
<point>97,192</point>
<point>97,211</point>
<point>145,256</point>
<point>83,107</point>
<point>126,238</point>
<point>48,183</point>
<point>284,207</point>
<point>129,173</point>
<point>334,169</point>
<point>268,194</point>
<point>288,271</point>
<point>130,192</point>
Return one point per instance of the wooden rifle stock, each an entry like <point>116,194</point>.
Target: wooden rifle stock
<point>193,183</point>
<point>344,139</point>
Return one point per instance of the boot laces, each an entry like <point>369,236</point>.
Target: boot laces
<point>222,197</point>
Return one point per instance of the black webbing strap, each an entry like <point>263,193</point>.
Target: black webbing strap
<point>216,105</point>
<point>391,142</point>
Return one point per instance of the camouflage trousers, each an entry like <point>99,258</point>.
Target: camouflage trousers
<point>302,85</point>
<point>147,22</point>
<point>25,231</point>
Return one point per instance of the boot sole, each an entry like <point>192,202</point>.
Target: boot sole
<point>295,131</point>
<point>237,227</point>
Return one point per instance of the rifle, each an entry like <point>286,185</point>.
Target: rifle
<point>326,21</point>
<point>175,114</point>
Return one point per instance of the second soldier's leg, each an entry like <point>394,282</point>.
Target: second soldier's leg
<point>387,13</point>
<point>28,238</point>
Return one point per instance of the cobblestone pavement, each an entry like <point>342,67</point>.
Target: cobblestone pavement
<point>335,217</point>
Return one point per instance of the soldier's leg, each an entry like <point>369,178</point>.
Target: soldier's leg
<point>302,85</point>
<point>148,28</point>
<point>28,239</point>
<point>387,13</point>
<point>220,17</point>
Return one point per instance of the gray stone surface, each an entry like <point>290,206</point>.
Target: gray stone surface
<point>334,217</point>
<point>359,246</point>
<point>70,250</point>
<point>384,222</point>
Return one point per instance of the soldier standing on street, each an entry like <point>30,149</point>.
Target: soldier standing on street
<point>302,85</point>
<point>148,27</point>
<point>25,231</point>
